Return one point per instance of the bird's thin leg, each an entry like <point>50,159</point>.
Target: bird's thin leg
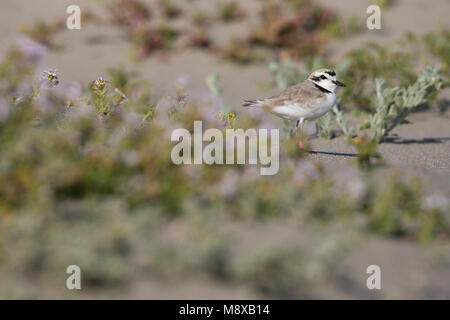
<point>297,125</point>
<point>293,131</point>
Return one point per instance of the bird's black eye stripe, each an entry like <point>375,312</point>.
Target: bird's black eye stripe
<point>315,79</point>
<point>331,73</point>
<point>323,77</point>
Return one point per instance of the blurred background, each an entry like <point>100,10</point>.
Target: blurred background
<point>86,176</point>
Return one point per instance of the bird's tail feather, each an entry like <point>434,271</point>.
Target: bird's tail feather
<point>252,103</point>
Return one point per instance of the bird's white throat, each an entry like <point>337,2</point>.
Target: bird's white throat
<point>327,84</point>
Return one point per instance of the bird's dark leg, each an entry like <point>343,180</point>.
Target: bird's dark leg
<point>297,125</point>
<point>293,130</point>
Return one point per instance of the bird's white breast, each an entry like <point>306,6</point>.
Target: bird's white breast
<point>309,110</point>
<point>322,107</point>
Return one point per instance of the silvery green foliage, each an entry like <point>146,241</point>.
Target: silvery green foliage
<point>328,122</point>
<point>342,123</point>
<point>288,126</point>
<point>286,74</point>
<point>326,126</point>
<point>213,83</point>
<point>395,104</point>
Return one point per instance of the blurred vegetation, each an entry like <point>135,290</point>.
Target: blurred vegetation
<point>169,9</point>
<point>229,11</point>
<point>435,43</point>
<point>384,4</point>
<point>290,29</point>
<point>43,32</point>
<point>395,210</point>
<point>365,65</point>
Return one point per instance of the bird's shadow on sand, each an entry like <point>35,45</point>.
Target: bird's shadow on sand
<point>393,140</point>
<point>339,154</point>
<point>398,140</point>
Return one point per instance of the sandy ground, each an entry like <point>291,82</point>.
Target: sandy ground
<point>90,51</point>
<point>422,147</point>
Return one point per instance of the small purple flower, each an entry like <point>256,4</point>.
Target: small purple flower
<point>350,182</point>
<point>227,186</point>
<point>183,81</point>
<point>31,50</point>
<point>49,77</point>
<point>99,84</point>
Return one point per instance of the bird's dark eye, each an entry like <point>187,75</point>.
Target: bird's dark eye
<point>323,77</point>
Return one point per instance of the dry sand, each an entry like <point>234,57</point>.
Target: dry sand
<point>90,51</point>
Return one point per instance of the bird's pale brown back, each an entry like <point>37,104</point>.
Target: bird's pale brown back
<point>299,93</point>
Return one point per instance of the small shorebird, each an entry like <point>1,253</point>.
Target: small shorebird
<point>307,100</point>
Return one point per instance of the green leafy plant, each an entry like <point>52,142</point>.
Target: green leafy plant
<point>148,38</point>
<point>103,100</point>
<point>169,9</point>
<point>213,83</point>
<point>367,156</point>
<point>199,38</point>
<point>229,11</point>
<point>306,23</point>
<point>129,13</point>
<point>395,104</point>
<point>342,123</point>
<point>384,4</point>
<point>396,211</point>
<point>200,19</point>
<point>438,44</point>
<point>364,65</point>
<point>238,51</point>
<point>326,126</point>
<point>43,32</point>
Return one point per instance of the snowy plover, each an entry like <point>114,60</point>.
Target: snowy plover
<point>307,100</point>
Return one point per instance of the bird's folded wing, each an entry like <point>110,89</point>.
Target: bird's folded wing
<point>301,94</point>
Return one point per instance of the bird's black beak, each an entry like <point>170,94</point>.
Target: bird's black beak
<point>338,83</point>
